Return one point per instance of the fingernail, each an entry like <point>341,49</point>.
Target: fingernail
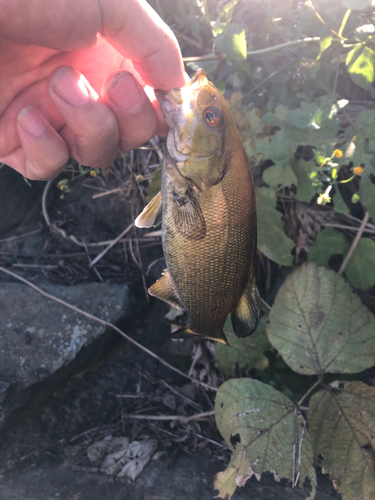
<point>31,121</point>
<point>125,92</point>
<point>70,86</point>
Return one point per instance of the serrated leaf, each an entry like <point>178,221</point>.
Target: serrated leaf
<point>232,43</point>
<point>261,427</point>
<point>355,4</point>
<point>247,352</point>
<point>361,268</point>
<point>342,428</point>
<point>328,242</point>
<point>272,241</point>
<point>319,325</point>
<point>360,65</point>
<point>302,170</point>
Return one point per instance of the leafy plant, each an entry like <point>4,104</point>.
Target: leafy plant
<point>299,80</point>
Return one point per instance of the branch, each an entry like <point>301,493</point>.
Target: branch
<point>354,244</point>
<point>213,57</point>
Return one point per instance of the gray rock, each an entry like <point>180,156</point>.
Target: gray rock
<point>39,336</point>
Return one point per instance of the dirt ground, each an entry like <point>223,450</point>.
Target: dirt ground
<point>43,446</point>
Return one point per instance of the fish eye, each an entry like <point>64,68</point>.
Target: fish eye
<point>212,116</point>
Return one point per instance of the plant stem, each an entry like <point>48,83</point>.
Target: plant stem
<point>318,382</point>
<point>354,244</point>
<point>344,21</point>
<point>214,57</point>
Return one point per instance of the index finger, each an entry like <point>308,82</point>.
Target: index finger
<point>139,34</point>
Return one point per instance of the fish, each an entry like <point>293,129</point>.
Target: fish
<point>207,209</point>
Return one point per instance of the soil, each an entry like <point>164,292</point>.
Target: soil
<point>43,446</point>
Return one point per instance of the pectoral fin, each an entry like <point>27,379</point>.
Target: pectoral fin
<point>165,290</point>
<point>151,214</point>
<point>188,216</point>
<point>245,318</point>
<point>187,332</point>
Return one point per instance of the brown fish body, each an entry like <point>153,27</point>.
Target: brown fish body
<point>208,215</point>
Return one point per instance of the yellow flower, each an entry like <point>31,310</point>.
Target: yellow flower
<point>93,173</point>
<point>338,153</point>
<point>358,170</point>
<point>324,198</point>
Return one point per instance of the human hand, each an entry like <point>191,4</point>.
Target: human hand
<point>64,91</point>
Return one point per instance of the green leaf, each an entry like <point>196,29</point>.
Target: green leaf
<point>319,325</point>
<point>232,43</point>
<point>342,429</point>
<point>356,4</point>
<point>360,65</point>
<point>277,175</point>
<point>264,430</point>
<point>305,116</point>
<point>247,352</point>
<point>302,170</point>
<point>272,241</point>
<point>339,204</point>
<point>323,135</point>
<point>367,189</point>
<point>324,44</point>
<point>328,242</point>
<point>360,270</point>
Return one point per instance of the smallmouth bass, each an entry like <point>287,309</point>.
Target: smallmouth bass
<point>208,214</point>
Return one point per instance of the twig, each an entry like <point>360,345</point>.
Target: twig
<point>266,305</point>
<point>197,416</point>
<point>106,193</point>
<point>111,244</point>
<point>354,244</point>
<point>34,266</point>
<point>54,228</point>
<point>350,228</point>
<point>12,238</point>
<point>189,401</point>
<point>110,325</point>
<point>135,396</point>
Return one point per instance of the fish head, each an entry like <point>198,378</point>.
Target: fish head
<point>197,116</point>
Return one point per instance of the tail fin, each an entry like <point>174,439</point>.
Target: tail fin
<point>187,332</point>
<point>245,318</point>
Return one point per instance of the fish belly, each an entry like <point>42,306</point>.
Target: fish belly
<point>210,274</point>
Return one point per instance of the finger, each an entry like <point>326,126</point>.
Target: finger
<point>136,117</point>
<point>137,32</point>
<point>91,130</point>
<point>42,153</point>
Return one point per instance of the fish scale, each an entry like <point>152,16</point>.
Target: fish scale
<point>208,214</point>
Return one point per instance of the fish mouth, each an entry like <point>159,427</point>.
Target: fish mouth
<point>180,100</point>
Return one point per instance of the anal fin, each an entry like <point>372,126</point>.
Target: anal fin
<point>245,318</point>
<point>187,332</point>
<point>165,290</point>
<point>151,214</point>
